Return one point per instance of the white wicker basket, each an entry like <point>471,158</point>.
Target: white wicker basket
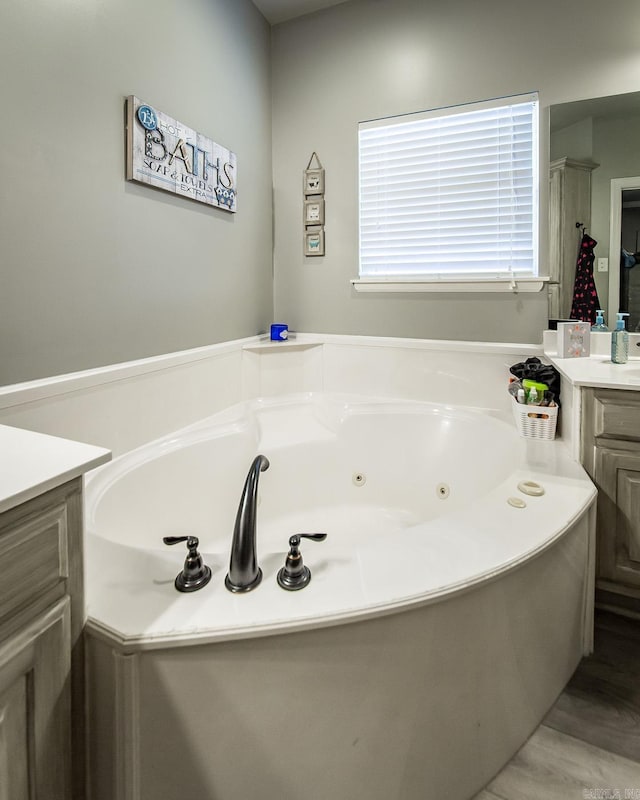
<point>535,422</point>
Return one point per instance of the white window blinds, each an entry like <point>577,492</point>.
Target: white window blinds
<point>451,193</point>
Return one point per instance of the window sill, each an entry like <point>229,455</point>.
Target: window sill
<point>514,285</point>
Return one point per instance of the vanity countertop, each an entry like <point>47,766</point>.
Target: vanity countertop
<point>599,372</point>
<point>33,463</point>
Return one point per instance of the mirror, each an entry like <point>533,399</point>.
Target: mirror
<point>624,283</point>
<point>595,174</point>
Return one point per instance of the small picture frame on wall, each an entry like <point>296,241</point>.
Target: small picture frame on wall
<point>314,211</point>
<point>313,181</point>
<point>314,242</point>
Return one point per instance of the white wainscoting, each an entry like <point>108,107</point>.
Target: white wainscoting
<point>125,405</point>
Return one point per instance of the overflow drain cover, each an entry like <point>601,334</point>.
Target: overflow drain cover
<point>531,488</point>
<point>516,502</point>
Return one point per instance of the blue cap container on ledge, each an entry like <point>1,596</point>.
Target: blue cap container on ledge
<point>279,332</point>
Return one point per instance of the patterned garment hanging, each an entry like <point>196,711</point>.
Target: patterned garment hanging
<point>585,297</point>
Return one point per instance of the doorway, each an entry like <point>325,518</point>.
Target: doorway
<point>624,251</point>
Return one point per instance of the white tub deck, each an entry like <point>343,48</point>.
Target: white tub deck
<point>392,544</point>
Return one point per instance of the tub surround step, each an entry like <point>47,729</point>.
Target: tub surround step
<point>268,346</point>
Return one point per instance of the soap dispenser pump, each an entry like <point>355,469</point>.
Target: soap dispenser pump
<point>620,341</point>
<point>599,323</point>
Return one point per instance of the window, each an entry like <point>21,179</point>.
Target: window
<point>451,195</point>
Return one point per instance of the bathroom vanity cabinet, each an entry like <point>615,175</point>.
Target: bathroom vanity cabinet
<point>611,455</point>
<point>42,614</point>
<point>41,617</point>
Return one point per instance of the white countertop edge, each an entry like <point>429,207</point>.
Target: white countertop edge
<point>33,463</point>
<point>598,371</point>
<point>58,479</point>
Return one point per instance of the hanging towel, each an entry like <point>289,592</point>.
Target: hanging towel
<point>585,297</point>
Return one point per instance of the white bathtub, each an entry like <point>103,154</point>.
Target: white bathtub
<point>440,623</point>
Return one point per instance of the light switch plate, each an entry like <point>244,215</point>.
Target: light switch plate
<point>603,265</point>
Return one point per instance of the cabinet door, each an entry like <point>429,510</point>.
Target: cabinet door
<point>14,740</point>
<point>617,474</point>
<point>35,735</point>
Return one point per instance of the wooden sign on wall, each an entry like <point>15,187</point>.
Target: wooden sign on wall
<point>163,152</point>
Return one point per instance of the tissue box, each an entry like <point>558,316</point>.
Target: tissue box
<point>573,339</point>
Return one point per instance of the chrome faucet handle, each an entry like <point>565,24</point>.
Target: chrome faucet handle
<point>295,575</point>
<point>195,574</point>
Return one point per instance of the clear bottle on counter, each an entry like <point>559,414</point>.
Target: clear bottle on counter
<point>620,341</point>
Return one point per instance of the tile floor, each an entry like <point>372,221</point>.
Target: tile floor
<point>588,746</point>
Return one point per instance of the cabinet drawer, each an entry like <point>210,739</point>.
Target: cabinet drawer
<point>33,557</point>
<point>616,414</point>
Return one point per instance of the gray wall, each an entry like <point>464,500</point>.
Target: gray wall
<point>371,58</point>
<point>95,270</point>
<point>576,139</point>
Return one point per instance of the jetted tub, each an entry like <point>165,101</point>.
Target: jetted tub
<point>440,624</point>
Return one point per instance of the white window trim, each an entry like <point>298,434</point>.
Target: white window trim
<point>481,284</point>
<point>514,285</point>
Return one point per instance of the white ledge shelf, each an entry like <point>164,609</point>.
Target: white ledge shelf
<point>514,285</point>
<point>268,346</point>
